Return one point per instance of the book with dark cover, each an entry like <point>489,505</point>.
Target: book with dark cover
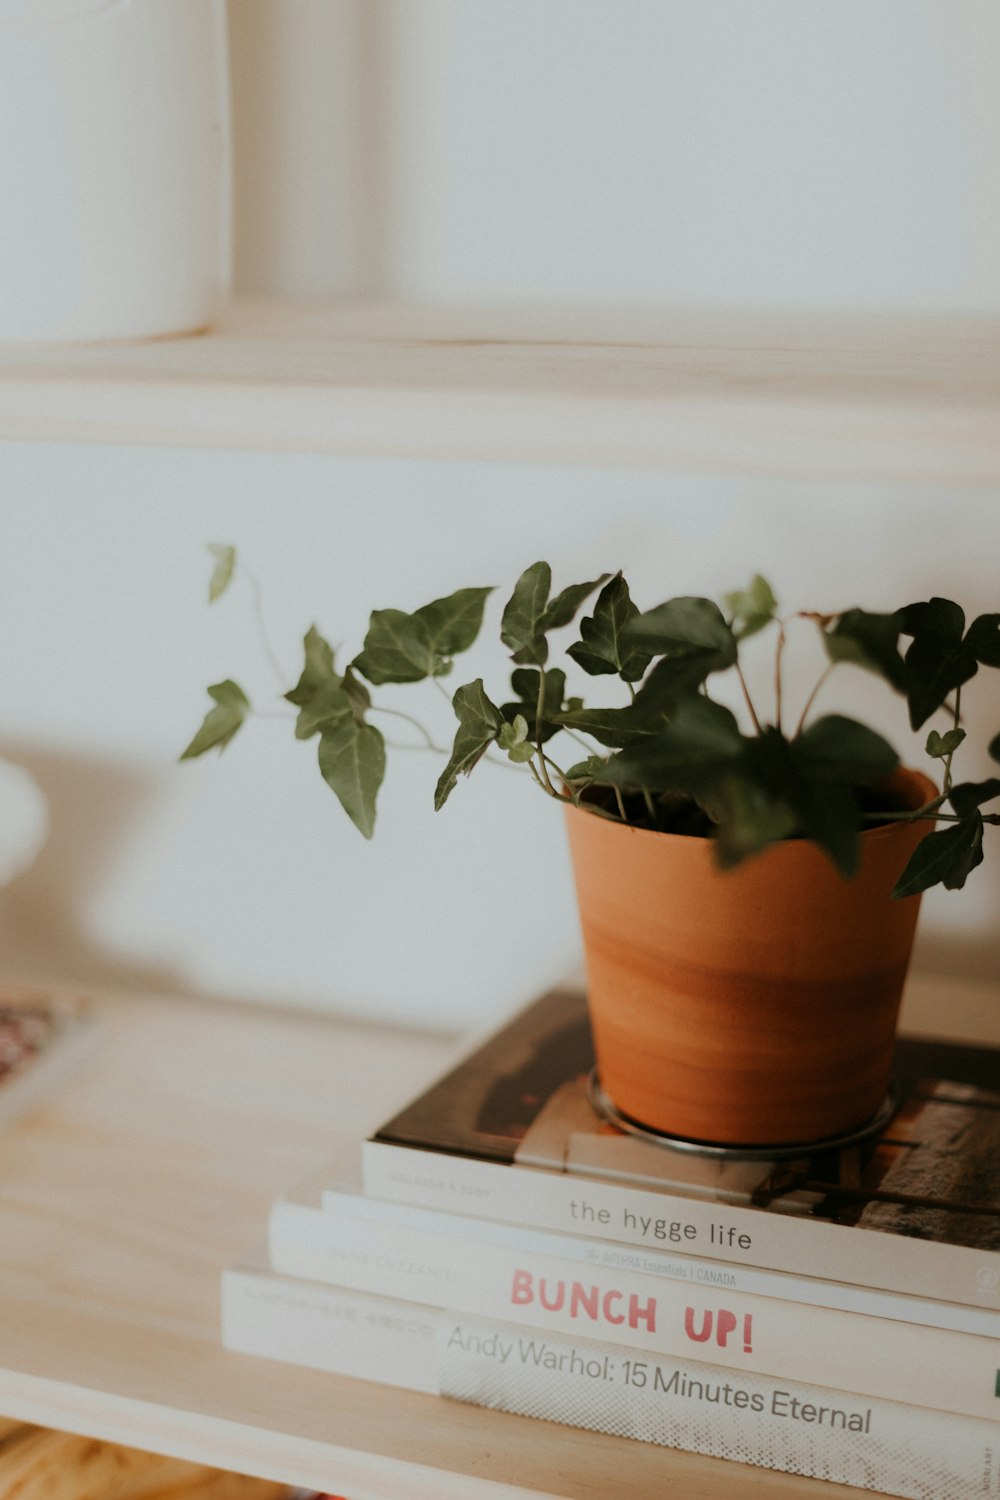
<point>932,1173</point>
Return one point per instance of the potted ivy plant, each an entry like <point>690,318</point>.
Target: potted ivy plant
<point>748,888</point>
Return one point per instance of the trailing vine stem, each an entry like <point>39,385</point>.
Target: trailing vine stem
<point>779,648</point>
<point>257,596</point>
<point>956,718</point>
<point>812,698</point>
<point>704,743</point>
<point>923,817</point>
<point>539,732</point>
<point>746,695</point>
<point>398,713</point>
<point>926,810</point>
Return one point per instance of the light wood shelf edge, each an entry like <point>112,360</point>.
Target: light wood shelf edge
<point>121,1203</point>
<point>778,396</point>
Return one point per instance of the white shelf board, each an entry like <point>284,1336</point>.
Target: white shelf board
<point>842,398</point>
<point>121,1203</point>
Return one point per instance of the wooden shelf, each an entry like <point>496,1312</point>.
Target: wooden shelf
<point>121,1203</point>
<point>848,398</point>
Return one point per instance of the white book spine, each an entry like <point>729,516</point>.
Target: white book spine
<point>782,1425</point>
<point>697,1272</point>
<point>573,1203</point>
<point>924,1366</point>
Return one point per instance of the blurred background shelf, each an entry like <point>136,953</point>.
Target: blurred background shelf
<point>866,398</point>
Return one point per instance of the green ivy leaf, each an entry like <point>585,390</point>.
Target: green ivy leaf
<point>524,682</point>
<point>529,613</point>
<point>317,671</point>
<point>690,633</point>
<point>947,858</point>
<point>352,763</point>
<point>561,610</point>
<point>614,727</point>
<point>601,648</point>
<point>752,608</point>
<point>586,770</point>
<point>397,648</point>
<point>513,733</point>
<point>936,616</point>
<point>829,761</point>
<point>837,749</point>
<point>401,647</point>
<point>222,721</point>
<point>638,722</point>
<point>827,812</point>
<point>673,679</point>
<point>817,784</point>
<point>454,622</point>
<point>318,694</point>
<point>521,622</point>
<point>520,754</point>
<point>222,573</point>
<point>701,744</point>
<point>513,738</point>
<point>942,745</point>
<point>967,796</point>
<point>748,818</point>
<point>324,710</point>
<point>479,724</point>
<point>939,659</point>
<point>870,641</point>
<point>983,640</point>
<point>358,695</point>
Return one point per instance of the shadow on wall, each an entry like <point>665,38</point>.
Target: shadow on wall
<point>958,955</point>
<point>93,806</point>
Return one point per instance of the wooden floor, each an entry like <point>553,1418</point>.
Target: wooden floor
<point>121,1203</point>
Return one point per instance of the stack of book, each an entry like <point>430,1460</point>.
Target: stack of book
<point>834,1315</point>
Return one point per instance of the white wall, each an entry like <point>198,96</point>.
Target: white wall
<point>239,875</point>
<point>787,153</point>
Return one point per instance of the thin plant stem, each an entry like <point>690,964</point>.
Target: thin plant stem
<point>501,763</point>
<point>539,711</point>
<point>922,817</point>
<point>812,698</point>
<point>926,810</point>
<point>621,804</point>
<point>547,761</point>
<point>534,771</point>
<point>650,807</point>
<point>257,594</point>
<point>586,745</point>
<point>546,784</point>
<point>397,713</point>
<point>414,749</point>
<point>779,648</point>
<point>746,695</point>
<point>956,716</point>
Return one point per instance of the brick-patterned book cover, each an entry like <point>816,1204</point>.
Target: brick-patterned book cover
<point>926,1188</point>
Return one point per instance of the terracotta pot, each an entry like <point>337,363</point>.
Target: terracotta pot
<point>752,1006</point>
